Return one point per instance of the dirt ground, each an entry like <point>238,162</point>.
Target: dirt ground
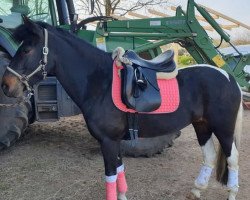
<point>57,161</point>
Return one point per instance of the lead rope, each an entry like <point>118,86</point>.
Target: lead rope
<point>18,103</point>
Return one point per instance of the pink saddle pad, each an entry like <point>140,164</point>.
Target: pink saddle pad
<point>169,90</point>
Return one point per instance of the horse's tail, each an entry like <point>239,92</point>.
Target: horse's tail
<point>221,165</point>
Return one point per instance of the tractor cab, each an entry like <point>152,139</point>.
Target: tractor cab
<point>11,12</point>
<point>54,12</point>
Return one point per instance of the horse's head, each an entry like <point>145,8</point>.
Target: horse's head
<point>31,61</point>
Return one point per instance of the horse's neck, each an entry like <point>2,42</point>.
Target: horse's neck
<point>85,76</point>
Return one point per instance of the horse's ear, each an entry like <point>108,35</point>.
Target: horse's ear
<point>32,26</point>
<point>29,29</point>
<point>25,19</point>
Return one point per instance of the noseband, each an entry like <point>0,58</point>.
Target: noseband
<point>41,67</point>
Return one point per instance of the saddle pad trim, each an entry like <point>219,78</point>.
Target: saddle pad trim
<point>169,90</point>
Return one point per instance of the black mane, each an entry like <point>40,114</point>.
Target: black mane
<point>22,32</point>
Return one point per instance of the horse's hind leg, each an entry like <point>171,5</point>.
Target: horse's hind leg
<point>204,135</point>
<point>228,155</point>
<point>227,165</point>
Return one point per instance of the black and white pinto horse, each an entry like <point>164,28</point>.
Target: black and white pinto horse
<point>210,100</point>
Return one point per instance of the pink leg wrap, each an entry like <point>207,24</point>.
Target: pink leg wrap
<point>111,191</point>
<point>121,183</point>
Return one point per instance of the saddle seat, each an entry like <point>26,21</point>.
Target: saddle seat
<point>162,63</point>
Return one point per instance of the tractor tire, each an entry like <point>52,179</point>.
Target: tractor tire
<point>13,120</point>
<point>147,147</point>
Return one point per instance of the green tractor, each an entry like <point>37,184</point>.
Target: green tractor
<point>145,36</point>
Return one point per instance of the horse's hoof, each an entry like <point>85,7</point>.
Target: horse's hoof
<point>122,196</point>
<point>231,198</point>
<point>194,195</point>
<point>233,193</point>
<point>191,197</point>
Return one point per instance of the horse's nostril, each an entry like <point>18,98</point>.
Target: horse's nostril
<point>5,87</point>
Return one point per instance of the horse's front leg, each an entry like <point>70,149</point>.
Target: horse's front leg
<point>121,179</point>
<point>113,170</point>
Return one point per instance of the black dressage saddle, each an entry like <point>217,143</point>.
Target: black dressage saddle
<point>140,89</point>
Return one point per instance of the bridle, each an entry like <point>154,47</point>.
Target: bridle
<point>41,67</point>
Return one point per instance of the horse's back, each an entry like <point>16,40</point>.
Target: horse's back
<point>205,92</point>
<point>218,91</point>
<point>209,80</point>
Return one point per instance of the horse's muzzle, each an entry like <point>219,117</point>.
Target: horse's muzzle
<point>11,86</point>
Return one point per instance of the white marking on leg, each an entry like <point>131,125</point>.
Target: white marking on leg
<point>120,169</point>
<point>234,158</point>
<point>238,124</point>
<point>111,179</point>
<point>209,153</point>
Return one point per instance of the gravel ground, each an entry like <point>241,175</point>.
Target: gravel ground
<point>55,161</point>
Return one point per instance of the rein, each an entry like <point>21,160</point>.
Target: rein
<point>41,67</point>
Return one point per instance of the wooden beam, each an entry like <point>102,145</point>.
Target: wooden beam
<point>225,17</point>
<point>229,27</point>
<point>154,12</point>
<point>173,8</point>
<point>176,48</point>
<point>134,14</point>
<point>214,16</point>
<point>198,17</point>
<point>208,28</point>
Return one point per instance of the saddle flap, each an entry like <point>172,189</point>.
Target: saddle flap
<point>140,90</point>
<point>127,78</point>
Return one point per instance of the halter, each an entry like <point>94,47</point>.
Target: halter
<point>41,67</point>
